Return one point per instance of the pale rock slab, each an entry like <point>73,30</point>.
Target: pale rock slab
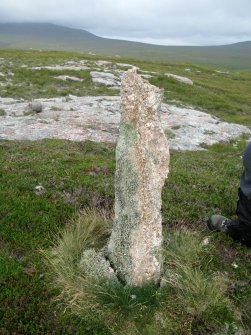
<point>103,63</point>
<point>62,67</point>
<point>222,72</point>
<point>97,119</point>
<point>142,160</point>
<point>73,78</point>
<point>126,65</point>
<point>184,80</point>
<point>105,78</point>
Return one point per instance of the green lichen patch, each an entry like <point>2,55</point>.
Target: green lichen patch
<point>94,264</point>
<point>169,134</point>
<point>2,112</point>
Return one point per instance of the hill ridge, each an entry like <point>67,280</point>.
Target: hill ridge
<point>49,36</point>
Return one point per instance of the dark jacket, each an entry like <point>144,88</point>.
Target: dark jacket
<point>245,183</point>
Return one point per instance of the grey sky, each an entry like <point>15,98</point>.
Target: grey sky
<point>175,22</point>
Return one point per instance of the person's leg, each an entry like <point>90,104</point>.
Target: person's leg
<point>239,231</point>
<point>243,210</point>
<point>240,228</point>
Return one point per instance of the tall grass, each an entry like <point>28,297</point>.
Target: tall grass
<point>189,291</point>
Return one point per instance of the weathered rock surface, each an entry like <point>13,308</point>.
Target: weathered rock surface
<point>97,119</point>
<point>105,78</point>
<point>104,63</point>
<point>222,72</point>
<point>35,107</point>
<point>184,80</point>
<point>114,80</point>
<point>142,159</point>
<point>70,65</point>
<point>73,78</point>
<point>129,66</point>
<point>94,264</point>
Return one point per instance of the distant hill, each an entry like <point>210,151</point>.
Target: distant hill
<point>53,37</point>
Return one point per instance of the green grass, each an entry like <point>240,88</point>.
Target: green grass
<point>44,84</point>
<point>190,286</point>
<point>213,93</point>
<point>199,184</point>
<point>2,112</point>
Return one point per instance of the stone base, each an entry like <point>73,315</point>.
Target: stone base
<point>94,264</point>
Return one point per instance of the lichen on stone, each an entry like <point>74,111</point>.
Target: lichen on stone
<point>94,264</point>
<point>142,158</point>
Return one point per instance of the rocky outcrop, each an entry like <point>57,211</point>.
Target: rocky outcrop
<point>97,119</point>
<point>142,158</point>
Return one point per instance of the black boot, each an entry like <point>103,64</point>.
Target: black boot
<point>218,223</point>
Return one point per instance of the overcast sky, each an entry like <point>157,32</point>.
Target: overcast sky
<point>170,22</point>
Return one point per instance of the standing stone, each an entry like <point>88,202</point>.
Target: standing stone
<point>142,159</point>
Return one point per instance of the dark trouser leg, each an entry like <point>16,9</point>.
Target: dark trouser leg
<point>239,231</point>
<point>240,228</point>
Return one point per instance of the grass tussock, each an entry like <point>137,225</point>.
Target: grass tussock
<point>188,271</point>
<point>190,291</point>
<point>89,229</point>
